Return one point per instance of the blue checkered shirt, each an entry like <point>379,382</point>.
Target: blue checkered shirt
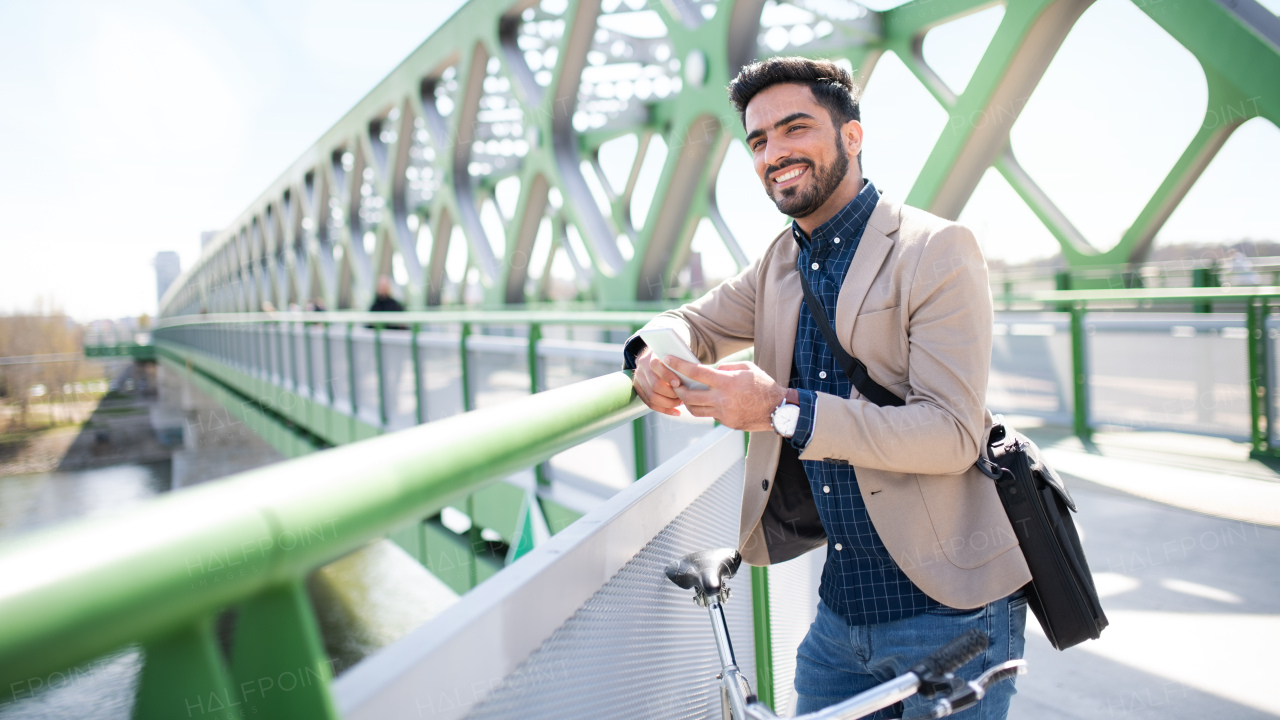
<point>860,581</point>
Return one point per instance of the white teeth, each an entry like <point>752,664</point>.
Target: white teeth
<point>787,176</point>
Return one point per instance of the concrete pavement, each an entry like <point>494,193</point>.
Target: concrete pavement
<point>1180,533</point>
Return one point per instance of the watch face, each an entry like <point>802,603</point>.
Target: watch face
<point>785,418</point>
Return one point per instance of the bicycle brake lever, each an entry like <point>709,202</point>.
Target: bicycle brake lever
<point>971,693</point>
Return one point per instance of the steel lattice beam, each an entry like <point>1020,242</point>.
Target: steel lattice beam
<point>485,143</point>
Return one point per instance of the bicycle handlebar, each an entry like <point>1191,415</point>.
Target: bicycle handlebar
<point>936,671</point>
<point>930,677</point>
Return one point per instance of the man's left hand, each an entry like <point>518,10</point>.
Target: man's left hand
<point>741,395</point>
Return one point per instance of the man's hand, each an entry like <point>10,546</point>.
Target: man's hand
<point>652,381</point>
<point>741,395</point>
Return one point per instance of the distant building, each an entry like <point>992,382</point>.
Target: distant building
<point>168,268</point>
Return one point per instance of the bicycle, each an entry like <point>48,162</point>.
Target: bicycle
<point>706,571</point>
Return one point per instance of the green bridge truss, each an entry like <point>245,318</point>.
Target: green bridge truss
<point>476,162</point>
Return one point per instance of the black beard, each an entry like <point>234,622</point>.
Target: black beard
<point>795,203</point>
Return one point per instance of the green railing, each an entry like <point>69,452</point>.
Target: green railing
<point>137,351</point>
<point>1256,302</point>
<point>280,397</point>
<point>317,415</point>
<point>158,574</point>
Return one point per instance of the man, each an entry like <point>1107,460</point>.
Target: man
<point>384,301</point>
<point>919,548</point>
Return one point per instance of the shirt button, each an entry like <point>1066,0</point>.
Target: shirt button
<point>814,266</point>
<point>826,488</point>
<point>822,374</point>
<point>839,546</point>
<point>837,241</point>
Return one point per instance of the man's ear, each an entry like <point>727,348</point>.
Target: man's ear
<point>851,132</point>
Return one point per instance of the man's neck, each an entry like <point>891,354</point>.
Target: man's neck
<point>844,194</point>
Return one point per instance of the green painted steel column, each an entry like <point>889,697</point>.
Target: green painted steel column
<point>1079,373</point>
<point>466,367</point>
<point>328,365</point>
<point>382,390</point>
<point>535,334</point>
<point>473,542</point>
<point>351,370</point>
<point>1204,277</point>
<point>310,360</point>
<point>184,676</point>
<point>1259,377</point>
<point>259,352</point>
<point>1062,281</point>
<point>640,443</point>
<point>640,437</point>
<point>280,364</point>
<point>278,658</point>
<point>291,364</point>
<point>419,412</point>
<point>763,630</point>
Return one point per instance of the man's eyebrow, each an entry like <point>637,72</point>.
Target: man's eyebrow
<point>781,123</point>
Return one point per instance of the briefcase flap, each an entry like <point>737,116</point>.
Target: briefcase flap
<point>1006,442</point>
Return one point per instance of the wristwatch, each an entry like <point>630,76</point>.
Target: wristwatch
<point>785,416</point>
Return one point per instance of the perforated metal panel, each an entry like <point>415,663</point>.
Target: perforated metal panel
<point>640,648</point>
<point>587,623</point>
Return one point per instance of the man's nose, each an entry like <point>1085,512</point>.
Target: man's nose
<point>775,153</point>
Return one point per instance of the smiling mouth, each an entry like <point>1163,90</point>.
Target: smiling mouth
<point>789,177</point>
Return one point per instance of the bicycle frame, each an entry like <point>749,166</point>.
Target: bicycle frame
<point>931,677</point>
<point>735,688</point>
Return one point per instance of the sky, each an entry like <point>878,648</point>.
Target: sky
<point>131,126</point>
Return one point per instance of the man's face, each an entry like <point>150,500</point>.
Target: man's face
<point>800,155</point>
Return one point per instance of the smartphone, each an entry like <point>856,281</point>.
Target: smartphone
<point>665,341</point>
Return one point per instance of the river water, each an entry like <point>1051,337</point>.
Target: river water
<point>103,688</point>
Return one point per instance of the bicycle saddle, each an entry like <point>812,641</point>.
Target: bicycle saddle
<point>705,571</point>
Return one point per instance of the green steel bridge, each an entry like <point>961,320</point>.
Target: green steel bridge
<point>486,434</point>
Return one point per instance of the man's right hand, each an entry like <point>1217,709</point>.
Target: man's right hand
<point>653,382</point>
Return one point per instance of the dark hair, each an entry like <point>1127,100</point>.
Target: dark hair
<point>832,86</point>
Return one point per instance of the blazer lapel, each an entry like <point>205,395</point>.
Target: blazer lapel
<point>872,251</point>
<point>784,312</point>
<point>785,321</point>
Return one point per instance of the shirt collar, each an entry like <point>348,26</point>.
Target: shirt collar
<point>848,222</point>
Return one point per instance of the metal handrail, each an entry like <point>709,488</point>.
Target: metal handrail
<point>1155,294</point>
<point>75,592</point>
<point>428,317</point>
<point>639,317</point>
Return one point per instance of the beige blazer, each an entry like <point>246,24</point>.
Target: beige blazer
<point>916,308</point>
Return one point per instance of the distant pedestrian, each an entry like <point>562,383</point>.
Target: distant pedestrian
<point>384,302</point>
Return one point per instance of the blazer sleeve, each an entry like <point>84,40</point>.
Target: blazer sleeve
<point>949,323</point>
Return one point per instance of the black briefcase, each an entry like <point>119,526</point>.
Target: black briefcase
<point>1061,593</point>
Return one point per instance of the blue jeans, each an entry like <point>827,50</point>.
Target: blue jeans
<point>836,660</point>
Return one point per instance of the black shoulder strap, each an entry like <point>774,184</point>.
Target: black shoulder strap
<point>853,367</point>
